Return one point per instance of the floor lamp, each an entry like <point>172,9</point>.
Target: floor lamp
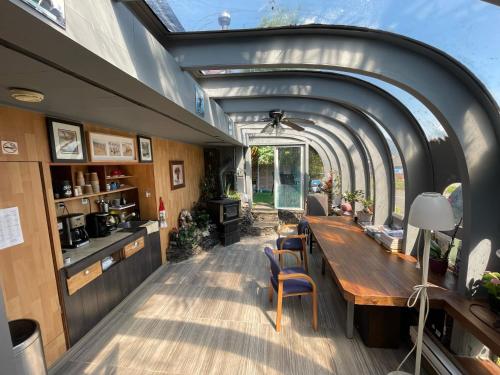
<point>429,211</point>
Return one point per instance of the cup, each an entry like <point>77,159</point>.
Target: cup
<point>87,189</point>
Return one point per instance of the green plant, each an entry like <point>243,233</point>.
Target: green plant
<point>367,205</point>
<point>491,281</point>
<point>231,194</point>
<point>207,188</point>
<point>353,196</point>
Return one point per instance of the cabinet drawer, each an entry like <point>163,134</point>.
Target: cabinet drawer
<point>84,277</point>
<point>133,247</point>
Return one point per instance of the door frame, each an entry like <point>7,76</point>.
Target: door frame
<point>302,176</point>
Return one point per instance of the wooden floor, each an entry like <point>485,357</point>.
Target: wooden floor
<point>210,315</point>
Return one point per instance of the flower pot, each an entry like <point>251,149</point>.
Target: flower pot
<point>364,217</point>
<point>494,303</point>
<point>438,266</point>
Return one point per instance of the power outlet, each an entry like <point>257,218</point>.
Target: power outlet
<point>61,205</point>
<point>85,201</point>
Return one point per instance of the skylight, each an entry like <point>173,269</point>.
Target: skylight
<point>468,30</point>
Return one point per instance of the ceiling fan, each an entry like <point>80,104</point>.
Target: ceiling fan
<point>277,119</point>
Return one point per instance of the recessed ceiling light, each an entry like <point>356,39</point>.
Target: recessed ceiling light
<point>24,95</point>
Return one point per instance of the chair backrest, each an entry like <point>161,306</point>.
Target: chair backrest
<point>275,267</point>
<point>302,226</point>
<point>317,204</point>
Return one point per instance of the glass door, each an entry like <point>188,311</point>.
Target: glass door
<point>289,177</point>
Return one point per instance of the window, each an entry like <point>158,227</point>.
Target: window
<point>453,193</point>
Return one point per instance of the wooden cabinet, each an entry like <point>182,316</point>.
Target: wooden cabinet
<point>91,293</point>
<point>84,277</point>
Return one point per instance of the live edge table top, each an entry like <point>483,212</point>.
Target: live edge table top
<point>365,271</point>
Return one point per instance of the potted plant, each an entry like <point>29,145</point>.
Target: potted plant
<point>366,214</point>
<point>491,281</point>
<point>352,197</point>
<point>438,261</point>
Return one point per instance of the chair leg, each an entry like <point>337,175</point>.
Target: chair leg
<point>279,307</point>
<point>315,310</point>
<point>271,293</point>
<point>306,265</point>
<point>323,266</point>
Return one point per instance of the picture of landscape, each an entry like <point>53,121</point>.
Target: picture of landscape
<point>68,142</point>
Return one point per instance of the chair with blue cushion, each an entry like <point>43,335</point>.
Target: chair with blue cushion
<point>296,242</point>
<point>289,282</point>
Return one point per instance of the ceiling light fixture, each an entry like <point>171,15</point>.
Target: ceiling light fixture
<point>25,95</point>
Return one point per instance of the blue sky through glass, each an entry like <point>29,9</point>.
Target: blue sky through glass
<point>468,30</point>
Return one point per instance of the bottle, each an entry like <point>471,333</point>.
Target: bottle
<point>162,214</point>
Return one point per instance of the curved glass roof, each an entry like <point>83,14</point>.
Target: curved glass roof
<point>468,30</point>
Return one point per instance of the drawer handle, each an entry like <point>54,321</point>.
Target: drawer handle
<point>86,272</point>
<point>136,244</point>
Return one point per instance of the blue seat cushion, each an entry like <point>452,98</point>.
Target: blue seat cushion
<point>293,286</point>
<point>290,243</point>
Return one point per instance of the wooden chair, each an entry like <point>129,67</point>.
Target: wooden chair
<point>290,282</point>
<point>296,242</point>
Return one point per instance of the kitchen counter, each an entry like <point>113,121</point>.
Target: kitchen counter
<point>95,245</point>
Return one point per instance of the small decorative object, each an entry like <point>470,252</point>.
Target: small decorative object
<point>66,189</point>
<point>145,149</point>
<point>177,176</point>
<point>108,186</point>
<point>199,101</point>
<point>162,215</point>
<point>66,141</point>
<point>491,281</point>
<point>105,147</point>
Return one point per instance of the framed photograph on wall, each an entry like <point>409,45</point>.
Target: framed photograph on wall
<point>67,142</point>
<point>199,101</point>
<point>145,149</point>
<point>177,174</point>
<point>106,147</point>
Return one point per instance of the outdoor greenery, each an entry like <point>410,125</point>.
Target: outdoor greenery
<point>353,196</point>
<point>264,155</point>
<point>280,16</point>
<point>367,204</point>
<point>208,188</point>
<point>316,170</point>
<point>263,197</point>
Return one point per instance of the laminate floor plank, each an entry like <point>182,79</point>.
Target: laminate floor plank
<point>211,315</point>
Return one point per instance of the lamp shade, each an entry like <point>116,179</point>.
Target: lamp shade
<point>431,211</point>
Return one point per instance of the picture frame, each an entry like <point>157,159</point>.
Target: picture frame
<point>144,149</point>
<point>107,147</point>
<point>67,141</point>
<point>177,174</point>
<point>199,101</point>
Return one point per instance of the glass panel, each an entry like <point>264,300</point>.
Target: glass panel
<point>289,177</point>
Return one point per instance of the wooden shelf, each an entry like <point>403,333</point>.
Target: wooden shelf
<point>101,163</point>
<point>94,194</point>
<point>117,177</point>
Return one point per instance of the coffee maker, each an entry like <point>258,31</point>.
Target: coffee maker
<point>72,230</point>
<point>100,224</point>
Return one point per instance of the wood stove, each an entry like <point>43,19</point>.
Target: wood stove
<point>226,214</point>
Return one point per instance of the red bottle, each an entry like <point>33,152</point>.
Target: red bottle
<point>162,215</point>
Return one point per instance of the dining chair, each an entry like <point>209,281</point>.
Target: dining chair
<point>296,242</point>
<point>290,282</point>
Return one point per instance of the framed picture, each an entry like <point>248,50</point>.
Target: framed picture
<point>199,101</point>
<point>66,139</point>
<point>53,10</point>
<point>106,147</point>
<point>177,176</point>
<point>145,149</point>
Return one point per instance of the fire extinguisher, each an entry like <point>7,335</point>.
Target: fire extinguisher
<point>162,215</point>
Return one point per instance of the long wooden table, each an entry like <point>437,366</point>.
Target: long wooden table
<point>367,274</point>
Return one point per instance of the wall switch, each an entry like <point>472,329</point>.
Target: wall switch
<point>85,201</point>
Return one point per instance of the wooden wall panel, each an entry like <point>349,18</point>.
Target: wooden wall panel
<point>26,270</point>
<point>176,200</point>
<point>29,130</point>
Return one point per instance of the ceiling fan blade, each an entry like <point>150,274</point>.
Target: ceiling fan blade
<point>300,120</point>
<point>268,129</point>
<point>291,124</point>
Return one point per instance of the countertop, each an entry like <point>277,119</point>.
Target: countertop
<point>95,245</point>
